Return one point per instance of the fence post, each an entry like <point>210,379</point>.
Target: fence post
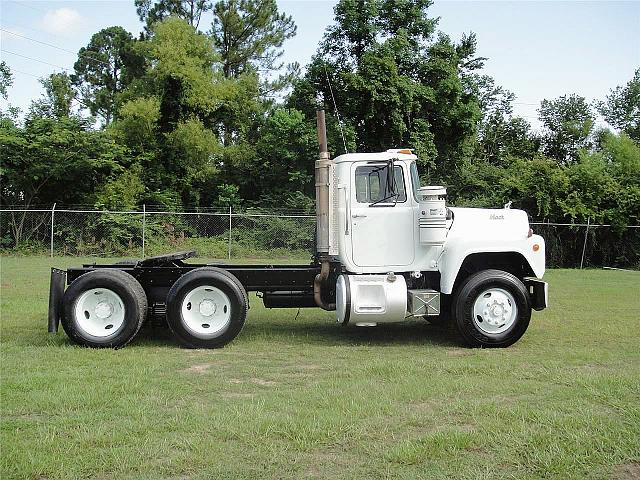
<point>584,246</point>
<point>53,212</point>
<point>229,232</point>
<point>144,225</point>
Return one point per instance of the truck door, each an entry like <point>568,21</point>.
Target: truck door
<point>381,219</point>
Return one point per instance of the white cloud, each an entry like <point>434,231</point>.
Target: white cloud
<point>63,21</point>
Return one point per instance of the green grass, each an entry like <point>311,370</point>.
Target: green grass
<point>306,398</point>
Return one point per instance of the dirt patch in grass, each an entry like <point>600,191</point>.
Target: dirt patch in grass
<point>310,367</point>
<point>322,462</point>
<point>263,382</point>
<point>428,406</point>
<point>627,471</point>
<point>199,368</point>
<point>459,352</point>
<point>236,395</point>
<point>256,381</point>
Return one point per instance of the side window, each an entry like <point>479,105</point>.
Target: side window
<point>371,184</point>
<point>415,180</point>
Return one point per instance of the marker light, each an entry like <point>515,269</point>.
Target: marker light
<point>536,247</point>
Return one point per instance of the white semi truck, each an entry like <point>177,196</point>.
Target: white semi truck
<point>387,250</point>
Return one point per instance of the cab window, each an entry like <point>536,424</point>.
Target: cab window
<point>371,184</point>
<point>415,180</point>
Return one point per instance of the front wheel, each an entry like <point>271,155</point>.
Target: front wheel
<point>491,308</point>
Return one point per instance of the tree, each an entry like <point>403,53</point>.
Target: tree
<point>248,35</point>
<point>568,123</point>
<point>52,160</point>
<point>151,12</point>
<point>170,119</point>
<point>181,73</point>
<point>621,108</point>
<point>104,69</point>
<point>6,79</point>
<point>284,148</point>
<point>394,84</point>
<point>57,99</point>
<point>501,140</point>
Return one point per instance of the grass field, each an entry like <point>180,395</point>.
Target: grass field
<point>305,398</point>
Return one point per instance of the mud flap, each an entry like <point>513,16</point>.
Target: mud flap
<point>539,293</point>
<point>56,292</point>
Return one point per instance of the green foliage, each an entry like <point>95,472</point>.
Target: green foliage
<point>104,69</point>
<point>48,156</point>
<point>123,192</point>
<point>269,233</point>
<point>137,124</point>
<point>397,86</point>
<point>6,79</point>
<point>168,120</point>
<point>56,102</point>
<point>284,150</point>
<point>181,72</point>
<point>568,121</point>
<point>228,195</point>
<point>248,35</point>
<point>150,12</point>
<point>621,108</point>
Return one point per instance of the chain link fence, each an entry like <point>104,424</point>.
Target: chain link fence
<point>255,235</point>
<point>219,235</point>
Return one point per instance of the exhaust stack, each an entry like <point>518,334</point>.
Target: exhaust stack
<point>322,172</point>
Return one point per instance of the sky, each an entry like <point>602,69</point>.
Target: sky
<point>537,50</point>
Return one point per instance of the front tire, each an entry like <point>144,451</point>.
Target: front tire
<point>206,308</point>
<point>104,309</point>
<point>491,308</point>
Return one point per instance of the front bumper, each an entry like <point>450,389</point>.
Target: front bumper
<point>538,293</point>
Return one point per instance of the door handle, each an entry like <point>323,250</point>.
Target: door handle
<point>358,216</point>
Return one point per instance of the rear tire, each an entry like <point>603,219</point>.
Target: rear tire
<point>206,308</point>
<point>491,308</point>
<point>104,309</point>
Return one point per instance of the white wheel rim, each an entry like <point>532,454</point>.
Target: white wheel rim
<point>100,312</point>
<point>206,311</point>
<point>495,311</point>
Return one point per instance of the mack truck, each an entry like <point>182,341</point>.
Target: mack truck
<point>387,250</point>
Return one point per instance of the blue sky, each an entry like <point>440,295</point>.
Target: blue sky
<point>537,50</point>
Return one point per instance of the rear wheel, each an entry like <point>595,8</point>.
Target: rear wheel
<point>104,309</point>
<point>491,308</point>
<point>206,308</point>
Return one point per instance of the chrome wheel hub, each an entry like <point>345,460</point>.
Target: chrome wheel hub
<point>494,311</point>
<point>99,312</point>
<point>206,311</point>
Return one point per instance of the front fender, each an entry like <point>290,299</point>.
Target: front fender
<point>458,249</point>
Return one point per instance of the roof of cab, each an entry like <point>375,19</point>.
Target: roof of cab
<point>377,156</point>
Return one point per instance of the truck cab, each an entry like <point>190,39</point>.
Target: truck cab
<point>386,228</point>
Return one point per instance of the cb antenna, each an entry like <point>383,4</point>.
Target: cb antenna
<point>344,142</point>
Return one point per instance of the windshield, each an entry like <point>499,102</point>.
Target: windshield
<point>415,180</point>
